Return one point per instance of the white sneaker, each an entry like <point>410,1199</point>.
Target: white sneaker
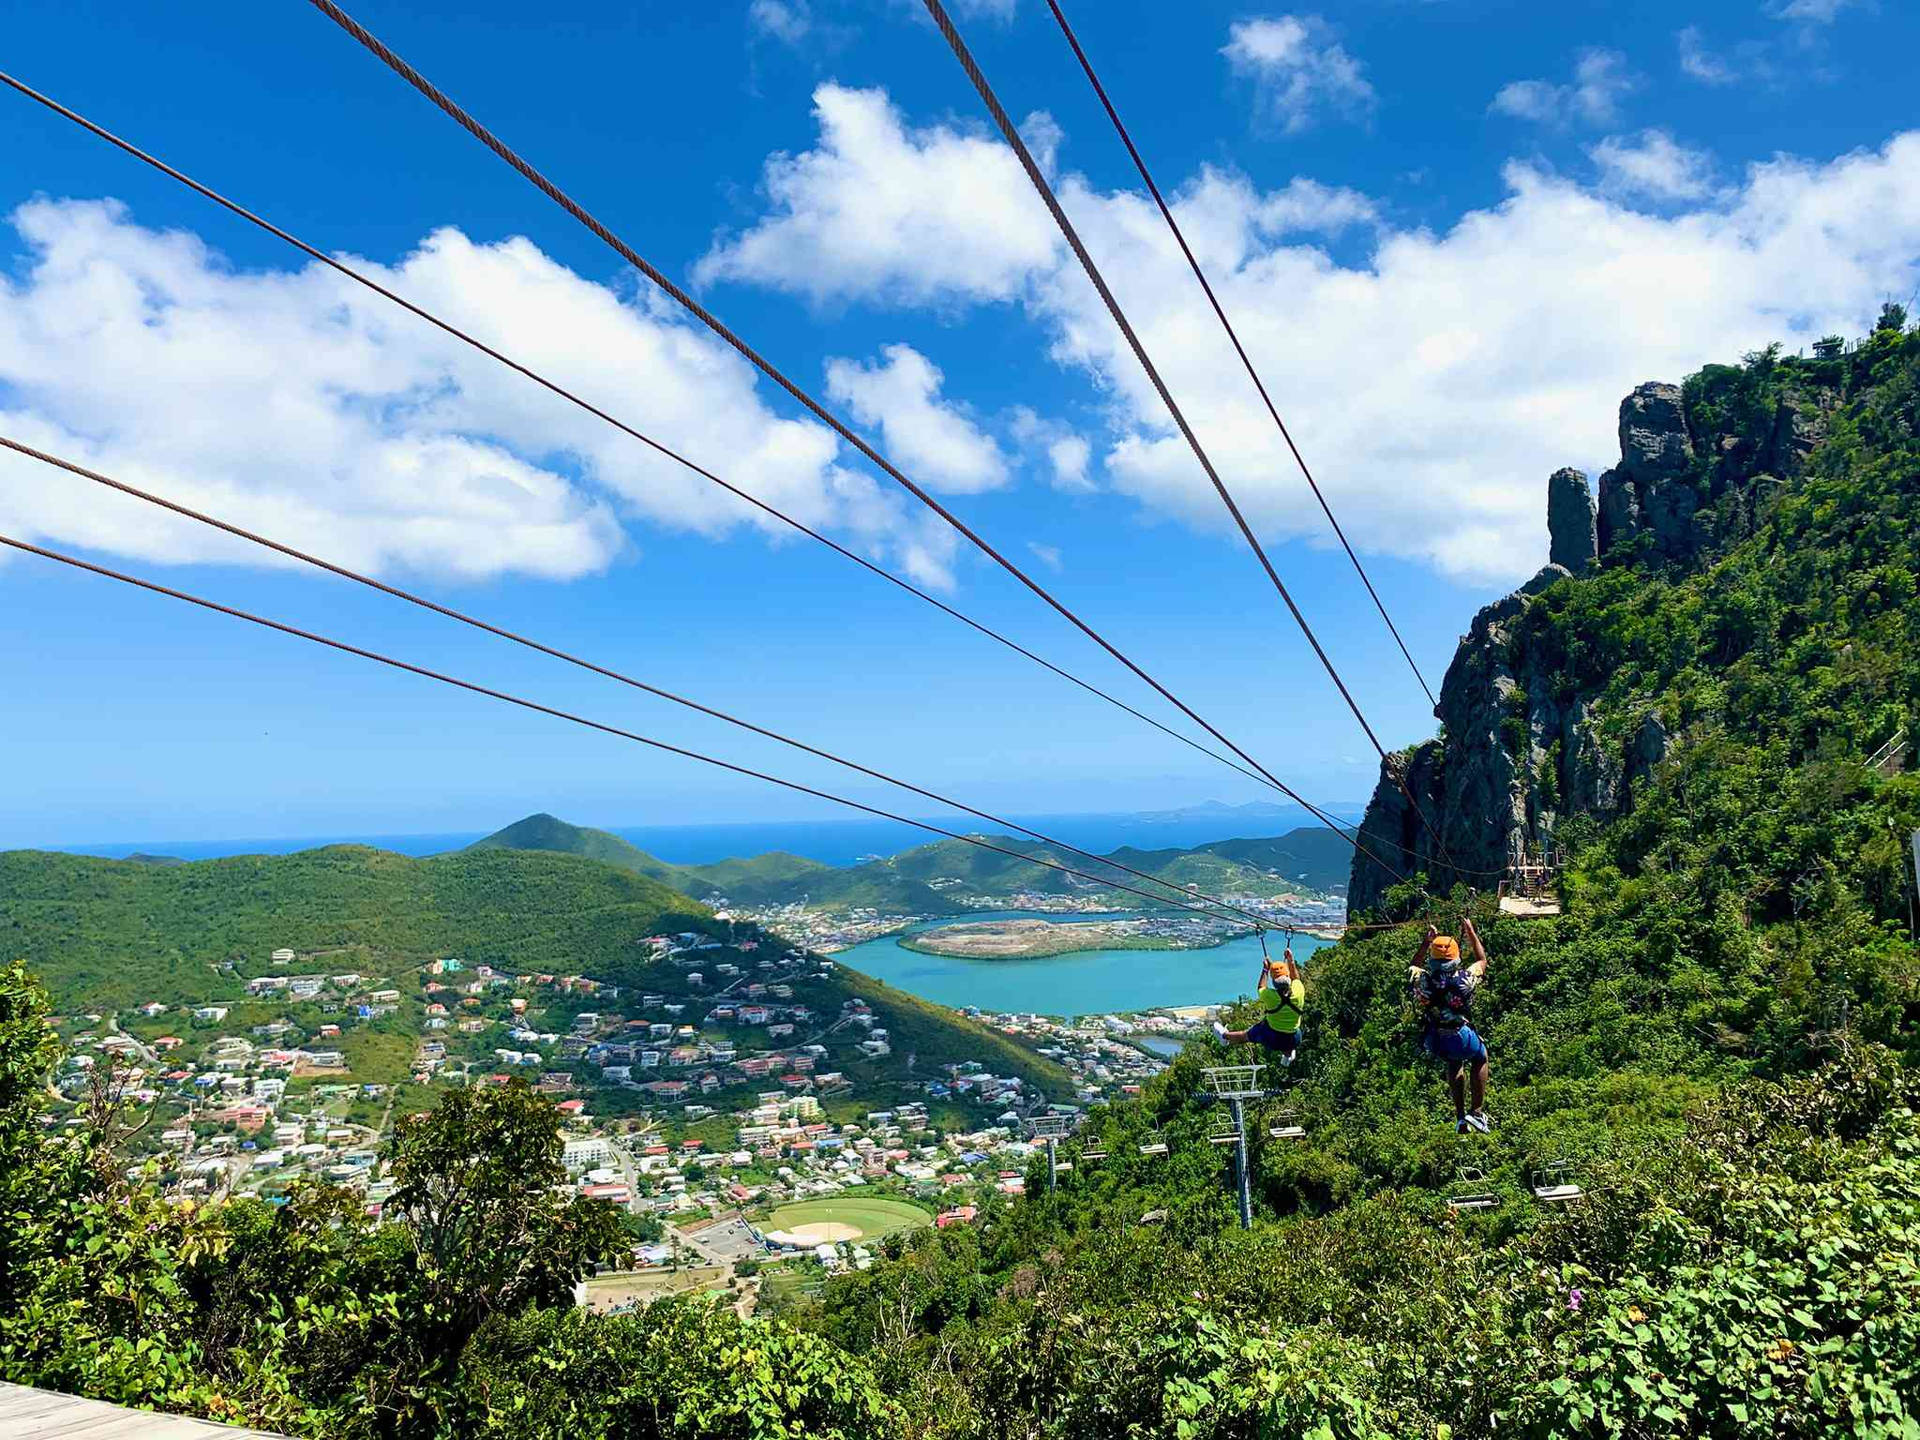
<point>1478,1120</point>
<point>1219,1030</point>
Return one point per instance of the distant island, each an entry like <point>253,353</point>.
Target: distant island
<point>1037,939</point>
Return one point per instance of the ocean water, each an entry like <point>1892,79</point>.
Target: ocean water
<point>1090,982</point>
<point>832,842</point>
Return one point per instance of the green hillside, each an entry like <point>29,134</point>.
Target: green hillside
<point>930,879</point>
<point>550,833</point>
<point>1718,1037</point>
<point>773,879</point>
<point>115,933</point>
<point>111,934</point>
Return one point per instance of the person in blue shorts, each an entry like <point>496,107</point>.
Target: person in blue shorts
<point>1444,988</point>
<point>1282,997</point>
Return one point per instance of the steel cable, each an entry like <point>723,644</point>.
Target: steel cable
<point>450,613</point>
<point>553,192</point>
<point>1004,123</point>
<point>1193,263</point>
<point>537,707</point>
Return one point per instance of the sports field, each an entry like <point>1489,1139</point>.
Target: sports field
<point>843,1218</point>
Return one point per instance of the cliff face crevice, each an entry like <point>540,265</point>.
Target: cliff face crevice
<point>1519,750</point>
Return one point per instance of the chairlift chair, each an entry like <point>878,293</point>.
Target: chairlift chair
<point>1471,1191</point>
<point>1227,1082</point>
<point>1286,1124</point>
<point>1555,1184</point>
<point>1224,1131</point>
<point>1093,1152</point>
<point>1154,1144</point>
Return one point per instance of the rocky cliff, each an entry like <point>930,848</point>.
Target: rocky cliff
<point>1522,746</point>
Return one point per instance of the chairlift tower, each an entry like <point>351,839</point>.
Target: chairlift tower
<point>1052,1129</point>
<point>1234,1085</point>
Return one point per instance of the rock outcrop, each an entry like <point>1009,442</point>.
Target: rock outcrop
<point>1573,533</point>
<point>1519,751</point>
<point>1651,490</point>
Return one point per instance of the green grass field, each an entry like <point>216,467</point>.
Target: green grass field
<point>871,1217</point>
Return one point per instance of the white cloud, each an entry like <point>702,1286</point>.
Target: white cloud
<point>1306,205</point>
<point>1298,69</point>
<point>935,214</point>
<point>1069,455</point>
<point>1700,63</point>
<point>1048,555</point>
<point>787,21</point>
<point>1591,97</point>
<point>1435,385</point>
<point>1809,12</point>
<point>1654,165</point>
<point>933,441</point>
<point>295,403</point>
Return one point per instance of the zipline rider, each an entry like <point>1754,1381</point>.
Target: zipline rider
<point>1282,998</point>
<point>1443,988</point>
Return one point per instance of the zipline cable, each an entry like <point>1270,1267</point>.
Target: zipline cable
<point>1193,263</point>
<point>1004,123</point>
<point>1331,822</point>
<point>450,613</point>
<point>766,367</point>
<point>362,279</point>
<point>501,695</point>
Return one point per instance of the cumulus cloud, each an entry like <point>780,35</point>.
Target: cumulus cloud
<point>1304,206</point>
<point>1068,454</point>
<point>1654,165</point>
<point>1298,69</point>
<point>1591,97</point>
<point>1435,385</point>
<point>295,403</point>
<point>935,442</point>
<point>934,214</point>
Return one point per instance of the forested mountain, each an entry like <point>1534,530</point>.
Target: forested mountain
<point>938,878</point>
<point>114,934</point>
<point>1717,1038</point>
<point>117,933</point>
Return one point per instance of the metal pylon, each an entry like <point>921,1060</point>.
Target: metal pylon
<point>1051,1128</point>
<point>1237,1084</point>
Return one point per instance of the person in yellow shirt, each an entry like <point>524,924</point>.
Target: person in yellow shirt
<point>1282,998</point>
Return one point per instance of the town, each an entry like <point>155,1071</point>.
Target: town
<point>726,1109</point>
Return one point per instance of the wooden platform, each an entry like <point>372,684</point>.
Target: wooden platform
<point>27,1414</point>
<point>1528,907</point>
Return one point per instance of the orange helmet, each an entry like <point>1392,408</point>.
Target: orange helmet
<point>1444,947</point>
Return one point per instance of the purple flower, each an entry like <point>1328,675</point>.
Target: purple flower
<point>1574,1297</point>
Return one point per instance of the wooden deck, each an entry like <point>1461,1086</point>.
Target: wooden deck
<point>27,1414</point>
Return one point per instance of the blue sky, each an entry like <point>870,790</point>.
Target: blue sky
<point>1454,234</point>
